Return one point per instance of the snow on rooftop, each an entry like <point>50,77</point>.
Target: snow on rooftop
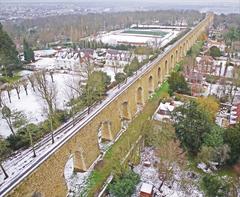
<point>44,53</point>
<point>147,188</point>
<point>166,106</point>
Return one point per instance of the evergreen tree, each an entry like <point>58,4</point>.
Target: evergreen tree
<point>192,124</point>
<point>28,52</point>
<point>8,52</point>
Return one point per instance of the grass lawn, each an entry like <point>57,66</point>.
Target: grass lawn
<point>7,79</point>
<point>113,157</point>
<point>151,33</point>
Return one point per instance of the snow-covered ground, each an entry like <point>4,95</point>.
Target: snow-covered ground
<point>44,63</point>
<point>115,37</point>
<point>151,175</point>
<point>229,72</point>
<point>110,71</point>
<point>218,90</point>
<point>32,105</point>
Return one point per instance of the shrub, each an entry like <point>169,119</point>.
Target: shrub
<point>177,83</point>
<point>213,186</point>
<point>120,77</point>
<point>125,185</point>
<point>215,51</point>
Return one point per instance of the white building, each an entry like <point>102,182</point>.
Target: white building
<point>117,58</point>
<point>67,60</point>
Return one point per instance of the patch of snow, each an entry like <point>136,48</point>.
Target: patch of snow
<point>150,175</point>
<point>32,105</point>
<point>110,71</point>
<point>44,63</point>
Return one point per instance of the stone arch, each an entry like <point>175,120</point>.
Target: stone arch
<point>125,115</point>
<point>140,96</point>
<point>105,135</point>
<point>150,85</point>
<point>159,75</point>
<point>69,170</point>
<point>71,173</point>
<point>166,67</point>
<point>184,49</point>
<point>181,51</point>
<point>105,131</point>
<point>37,194</point>
<point>172,62</point>
<point>176,56</point>
<point>79,160</point>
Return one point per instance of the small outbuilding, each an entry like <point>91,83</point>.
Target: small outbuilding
<point>146,190</point>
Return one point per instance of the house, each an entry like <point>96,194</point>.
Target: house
<point>221,45</point>
<point>235,114</point>
<point>164,110</point>
<point>194,77</point>
<point>117,58</point>
<point>146,190</point>
<point>89,53</point>
<point>67,60</point>
<point>206,64</point>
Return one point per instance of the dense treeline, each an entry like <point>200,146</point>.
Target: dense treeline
<point>73,27</point>
<point>230,20</point>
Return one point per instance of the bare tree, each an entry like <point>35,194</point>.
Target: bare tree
<point>32,81</point>
<point>51,75</point>
<point>9,88</point>
<point>235,82</point>
<point>48,92</point>
<point>73,91</point>
<point>4,152</point>
<point>7,115</point>
<point>86,66</point>
<point>167,149</point>
<point>76,88</point>
<point>16,86</point>
<point>25,86</point>
<point>1,102</point>
<point>31,140</point>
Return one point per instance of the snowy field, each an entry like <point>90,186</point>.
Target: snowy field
<point>32,105</point>
<point>44,63</point>
<point>115,37</point>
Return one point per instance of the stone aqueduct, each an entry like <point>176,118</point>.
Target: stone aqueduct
<point>48,179</point>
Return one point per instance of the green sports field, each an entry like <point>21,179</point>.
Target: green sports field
<point>151,33</point>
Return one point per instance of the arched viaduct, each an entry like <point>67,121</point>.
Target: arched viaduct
<point>48,178</point>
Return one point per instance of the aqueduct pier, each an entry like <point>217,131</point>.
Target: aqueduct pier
<point>46,178</point>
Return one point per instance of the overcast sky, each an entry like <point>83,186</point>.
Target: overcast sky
<point>218,6</point>
<point>160,1</point>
